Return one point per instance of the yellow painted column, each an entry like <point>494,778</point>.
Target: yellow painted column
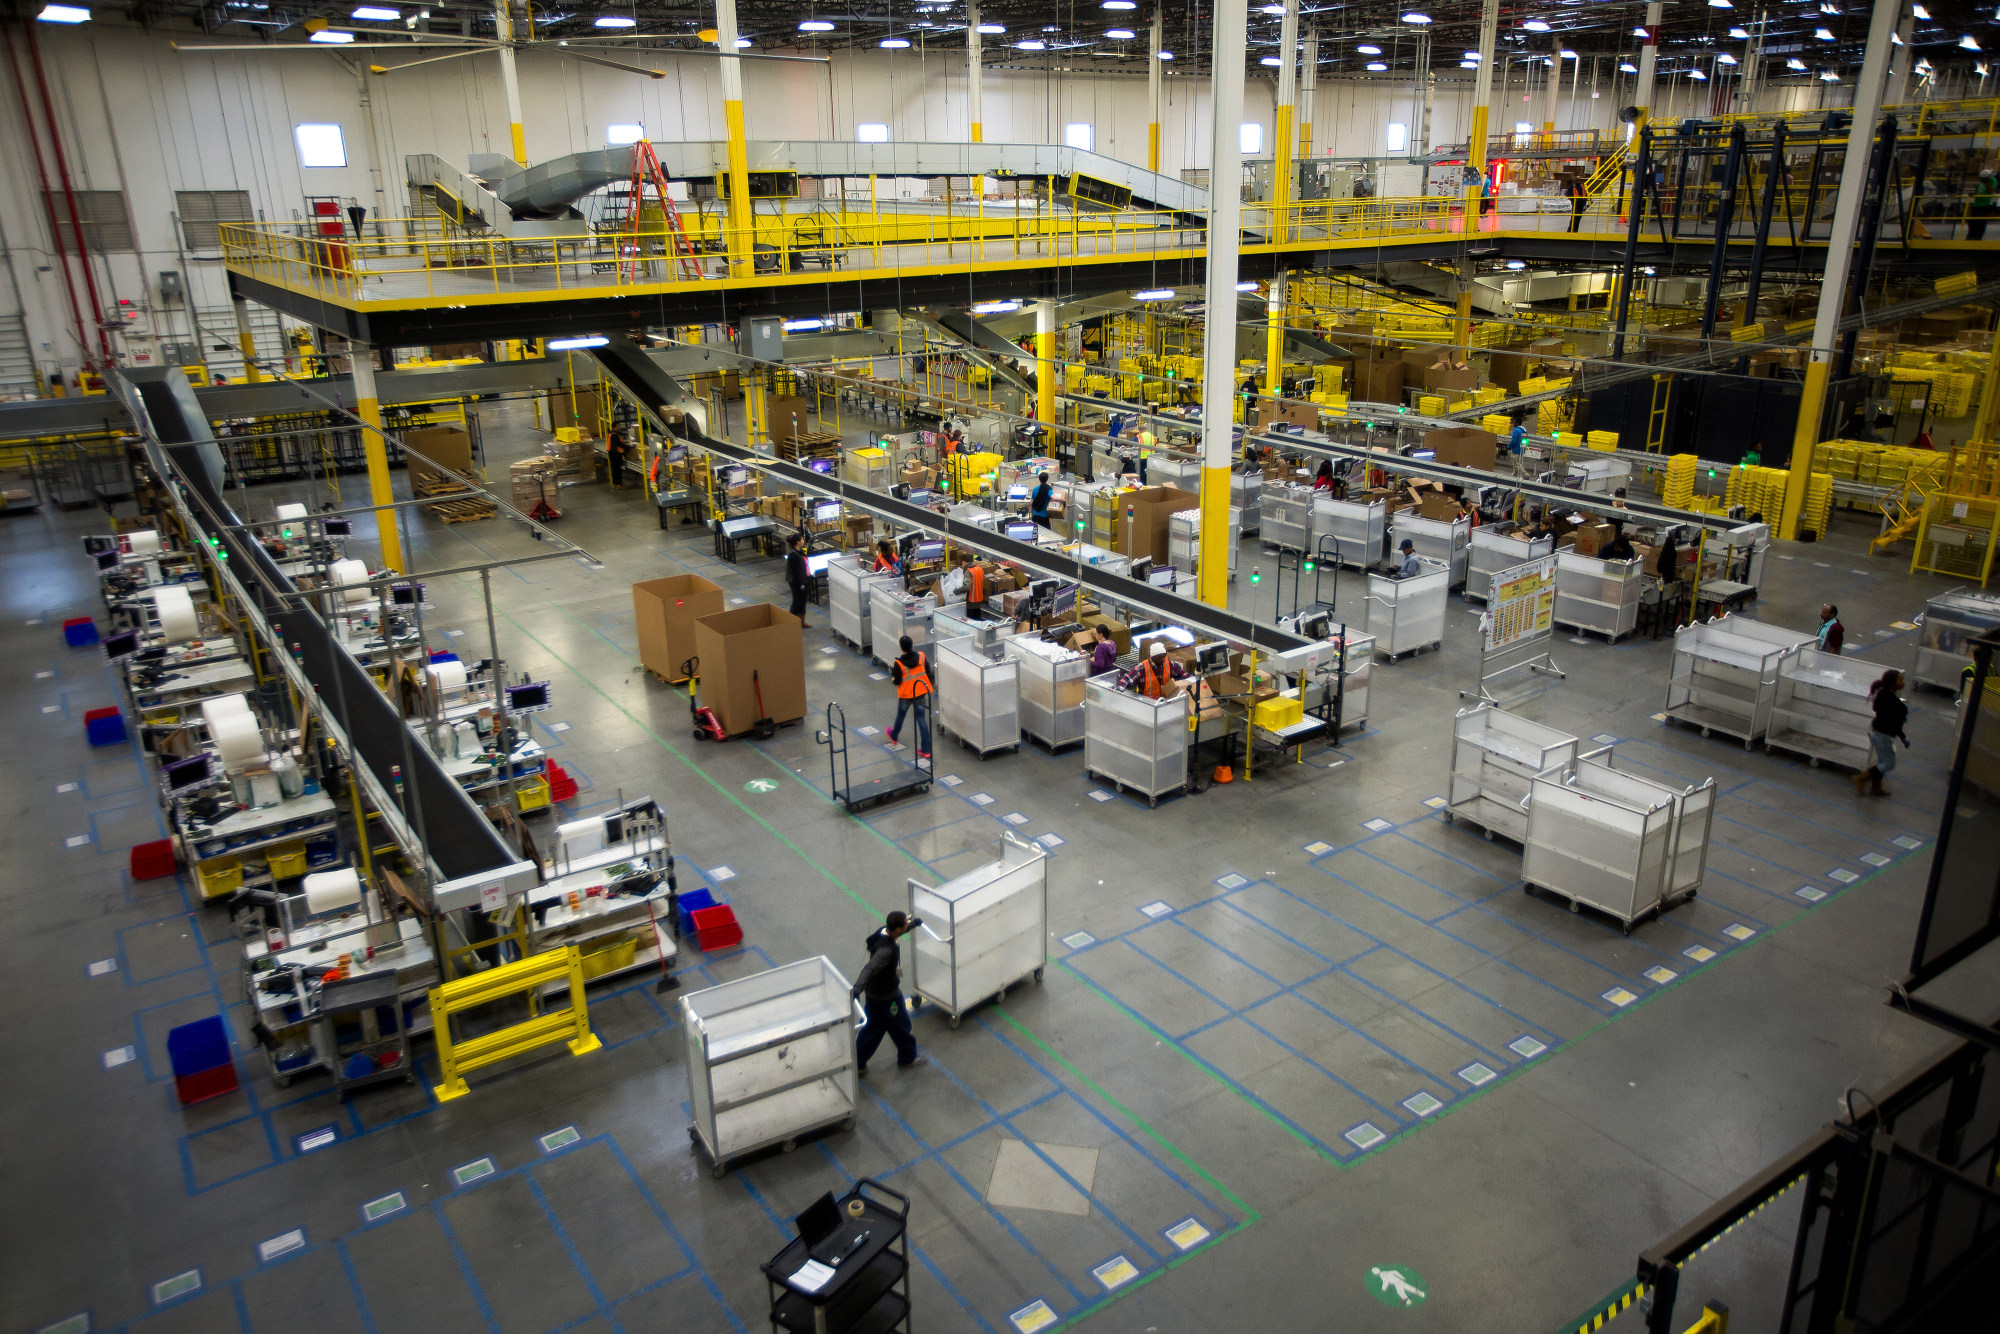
<point>1225,215</point>
<point>1046,370</point>
<point>246,340</point>
<point>1987,429</point>
<point>510,82</point>
<point>739,240</point>
<point>1482,97</point>
<point>1274,341</point>
<point>975,73</point>
<point>1812,404</point>
<point>375,448</point>
<point>1282,128</point>
<point>1153,74</point>
<point>1308,86</point>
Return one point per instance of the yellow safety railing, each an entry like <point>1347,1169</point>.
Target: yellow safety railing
<point>1714,1320</point>
<point>571,1026</point>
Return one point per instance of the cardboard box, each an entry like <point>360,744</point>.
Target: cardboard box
<point>666,610</point>
<point>1121,637</point>
<point>1295,414</point>
<point>746,650</point>
<point>1437,505</point>
<point>578,408</point>
<point>788,417</point>
<point>1144,516</point>
<point>1464,446</point>
<point>1591,538</point>
<point>916,476</point>
<point>449,449</point>
<point>1381,381</point>
<point>1464,381</point>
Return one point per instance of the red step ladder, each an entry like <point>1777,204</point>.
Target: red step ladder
<point>646,170</point>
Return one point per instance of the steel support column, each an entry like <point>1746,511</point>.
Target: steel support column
<point>1475,165</point>
<point>375,448</point>
<point>1225,221</point>
<point>739,240</point>
<point>1628,272</point>
<point>1725,218</point>
<point>975,72</point>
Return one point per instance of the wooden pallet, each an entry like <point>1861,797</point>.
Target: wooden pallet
<point>809,445</point>
<point>464,511</point>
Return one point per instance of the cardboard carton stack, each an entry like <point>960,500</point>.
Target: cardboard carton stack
<point>1144,517</point>
<point>747,652</point>
<point>529,479</point>
<point>666,610</point>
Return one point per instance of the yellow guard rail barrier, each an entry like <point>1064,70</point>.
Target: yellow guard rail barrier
<point>571,1025</point>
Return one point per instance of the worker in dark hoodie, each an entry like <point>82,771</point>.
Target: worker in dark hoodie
<point>879,987</point>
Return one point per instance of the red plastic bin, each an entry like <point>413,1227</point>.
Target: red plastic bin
<point>205,1084</point>
<point>561,786</point>
<point>153,861</point>
<point>716,928</point>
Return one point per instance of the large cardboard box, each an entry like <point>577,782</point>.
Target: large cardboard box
<point>1143,519</point>
<point>578,408</point>
<point>1463,446</point>
<point>1121,636</point>
<point>746,650</point>
<point>1454,381</point>
<point>1592,538</point>
<point>1296,414</point>
<point>788,417</point>
<point>666,610</point>
<point>1438,505</point>
<point>448,448</point>
<point>1381,381</point>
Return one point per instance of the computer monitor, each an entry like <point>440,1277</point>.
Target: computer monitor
<point>1315,625</point>
<point>1017,493</point>
<point>107,560</point>
<point>928,551</point>
<point>121,645</point>
<point>337,527</point>
<point>1065,599</point>
<point>1020,532</point>
<point>677,453</point>
<point>816,565</point>
<point>919,497</point>
<point>1211,658</point>
<point>819,465</point>
<point>191,772</point>
<point>532,697</point>
<point>1040,590</point>
<point>736,476</point>
<point>406,595</point>
<point>826,511</point>
<point>1141,568</point>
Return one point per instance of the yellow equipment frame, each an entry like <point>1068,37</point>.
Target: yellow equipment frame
<point>571,1026</point>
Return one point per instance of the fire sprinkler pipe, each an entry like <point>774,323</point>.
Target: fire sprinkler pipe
<point>69,194</point>
<point>48,195</point>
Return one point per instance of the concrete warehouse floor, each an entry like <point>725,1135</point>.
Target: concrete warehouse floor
<point>1315,976</point>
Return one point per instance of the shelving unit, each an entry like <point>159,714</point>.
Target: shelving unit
<point>1285,516</point>
<point>1405,615</point>
<point>1821,710</point>
<point>1724,682</point>
<point>1051,689</point>
<point>1624,845</point>
<point>983,931</point>
<point>1598,595</point>
<point>861,1295</point>
<point>1356,527</point>
<point>979,694</point>
<point>1950,622</point>
<point>1442,540</point>
<point>1495,759</point>
<point>1493,549</point>
<point>1136,742</point>
<point>770,1057</point>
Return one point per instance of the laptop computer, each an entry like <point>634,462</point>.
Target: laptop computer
<point>829,1237</point>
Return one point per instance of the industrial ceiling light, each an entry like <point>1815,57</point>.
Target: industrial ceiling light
<point>65,14</point>
<point>1470,55</point>
<point>1795,63</point>
<point>1369,49</point>
<point>1627,67</point>
<point>1271,61</point>
<point>894,44</point>
<point>1417,17</point>
<point>1743,33</point>
<point>326,35</point>
<point>1031,45</point>
<point>1720,4</point>
<point>1920,12</point>
<point>1377,66</point>
<point>1823,34</point>
<point>1536,25</point>
<point>1967,42</point>
<point>1154,294</point>
<point>1272,9</point>
<point>742,42</point>
<point>573,344</point>
<point>1725,59</point>
<point>996,307</point>
<point>616,21</point>
<point>794,326</point>
<point>1895,38</point>
<point>1120,34</point>
<point>1830,77</point>
<point>815,25</point>
<point>1121,4</point>
<point>1517,264</point>
<point>1827,8</point>
<point>1980,69</point>
<point>1697,76</point>
<point>1163,55</point>
<point>1246,287</point>
<point>1569,55</point>
<point>992,29</point>
<point>377,14</point>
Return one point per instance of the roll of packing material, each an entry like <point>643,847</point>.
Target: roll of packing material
<point>351,572</point>
<point>238,740</point>
<point>221,707</point>
<point>448,675</point>
<point>178,622</point>
<point>329,890</point>
<point>286,513</point>
<point>144,542</point>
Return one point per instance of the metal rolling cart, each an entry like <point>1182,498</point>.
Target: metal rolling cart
<point>849,583</point>
<point>983,931</point>
<point>1442,540</point>
<point>1356,528</point>
<point>1495,759</point>
<point>1406,615</point>
<point>1598,595</point>
<point>916,776</point>
<point>770,1057</point>
<point>894,613</point>
<point>1624,845</point>
<point>1285,516</point>
<point>380,1048</point>
<point>859,1294</point>
<point>1724,682</point>
<point>1357,665</point>
<point>978,689</point>
<point>1138,743</point>
<point>1822,711</point>
<point>1184,539</point>
<point>1051,685</point>
<point>1246,492</point>
<point>1951,620</point>
<point>1493,549</point>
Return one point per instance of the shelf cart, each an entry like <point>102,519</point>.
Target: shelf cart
<point>893,613</point>
<point>1822,710</point>
<point>1138,743</point>
<point>1495,759</point>
<point>1246,493</point>
<point>849,585</point>
<point>1285,516</point>
<point>1442,540</point>
<point>1357,528</point>
<point>1493,549</point>
<point>1951,620</point>
<point>1051,685</point>
<point>380,1046</point>
<point>770,1057</point>
<point>983,931</point>
<point>1406,615</point>
<point>861,1296</point>
<point>979,693</point>
<point>1357,665</point>
<point>1724,682</point>
<point>1624,845</point>
<point>1184,539</point>
<point>1598,595</point>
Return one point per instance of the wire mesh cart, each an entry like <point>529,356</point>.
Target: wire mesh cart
<point>1950,622</point>
<point>1624,845</point>
<point>1406,615</point>
<point>1051,690</point>
<point>978,688</point>
<point>859,1295</point>
<point>893,613</point>
<point>1356,528</point>
<point>1724,682</point>
<point>1442,540</point>
<point>1357,667</point>
<point>770,1057</point>
<point>1285,516</point>
<point>848,585</point>
<point>982,931</point>
<point>1598,595</point>
<point>1822,711</point>
<point>1138,743</point>
<point>1495,759</point>
<point>1493,549</point>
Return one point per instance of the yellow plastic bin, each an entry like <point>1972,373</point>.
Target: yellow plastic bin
<point>1278,712</point>
<point>287,860</point>
<point>218,876</point>
<point>533,794</point>
<point>609,956</point>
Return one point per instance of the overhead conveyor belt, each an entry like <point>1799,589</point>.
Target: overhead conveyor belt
<point>439,818</point>
<point>652,389</point>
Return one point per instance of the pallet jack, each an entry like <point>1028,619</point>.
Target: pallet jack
<point>707,727</point>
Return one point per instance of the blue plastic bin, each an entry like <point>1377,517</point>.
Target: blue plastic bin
<point>691,903</point>
<point>79,632</point>
<point>201,1045</point>
<point>104,727</point>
